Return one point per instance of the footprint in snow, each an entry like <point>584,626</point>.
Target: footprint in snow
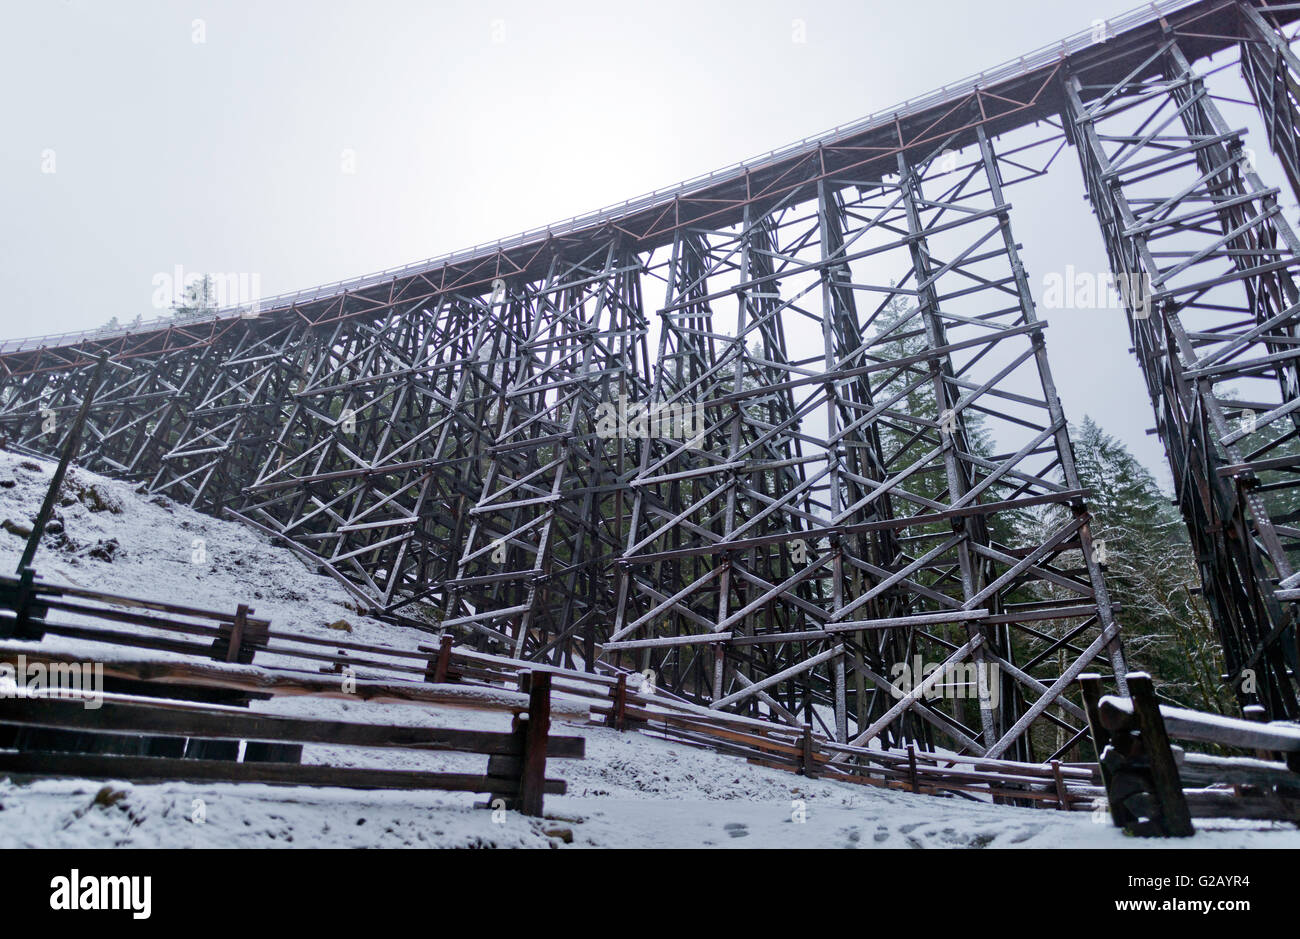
<point>1026,833</point>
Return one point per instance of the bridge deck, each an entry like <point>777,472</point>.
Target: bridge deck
<point>1012,95</point>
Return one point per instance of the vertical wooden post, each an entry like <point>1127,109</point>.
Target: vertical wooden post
<point>619,717</point>
<point>1176,820</point>
<point>911,768</point>
<point>807,761</point>
<point>1090,690</point>
<point>1257,713</point>
<point>443,662</point>
<point>28,614</point>
<point>532,778</point>
<point>233,649</point>
<point>230,646</point>
<point>841,692</point>
<point>1062,794</point>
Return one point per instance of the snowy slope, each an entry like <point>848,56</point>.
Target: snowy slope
<point>631,790</point>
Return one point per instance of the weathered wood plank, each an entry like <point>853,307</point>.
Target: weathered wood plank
<point>176,721</point>
<point>157,769</point>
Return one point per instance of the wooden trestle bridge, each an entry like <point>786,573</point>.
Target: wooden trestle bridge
<point>880,471</point>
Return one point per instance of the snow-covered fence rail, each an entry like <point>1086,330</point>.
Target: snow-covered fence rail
<point>192,641</point>
<point>146,740</point>
<point>31,608</point>
<point>172,679</point>
<point>626,700</point>
<point>208,655</point>
<point>1065,786</point>
<point>26,604</point>
<point>243,657</point>
<point>1155,788</point>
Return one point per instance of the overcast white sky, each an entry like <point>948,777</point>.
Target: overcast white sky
<point>468,122</point>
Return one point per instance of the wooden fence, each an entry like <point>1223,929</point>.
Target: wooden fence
<point>1155,788</point>
<point>516,766</point>
<point>797,748</point>
<point>178,718</point>
<point>258,662</point>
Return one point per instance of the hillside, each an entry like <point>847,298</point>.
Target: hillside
<point>631,790</point>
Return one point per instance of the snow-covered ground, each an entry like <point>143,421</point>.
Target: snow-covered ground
<point>631,790</point>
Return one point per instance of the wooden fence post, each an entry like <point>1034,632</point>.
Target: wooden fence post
<point>807,761</point>
<point>619,717</point>
<point>532,778</point>
<point>232,650</point>
<point>237,633</point>
<point>1090,690</point>
<point>1062,794</point>
<point>911,768</point>
<point>437,671</point>
<point>21,598</point>
<point>1176,820</point>
<point>1257,713</point>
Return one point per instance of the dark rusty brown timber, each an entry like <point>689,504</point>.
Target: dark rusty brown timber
<point>853,414</point>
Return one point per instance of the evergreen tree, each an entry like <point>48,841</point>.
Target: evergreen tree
<point>200,300</point>
<point>898,337</point>
<point>1150,572</point>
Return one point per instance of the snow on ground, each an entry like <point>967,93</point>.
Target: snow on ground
<point>153,544</point>
<point>632,790</point>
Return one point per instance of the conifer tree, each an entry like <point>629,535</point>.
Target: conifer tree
<point>1150,572</point>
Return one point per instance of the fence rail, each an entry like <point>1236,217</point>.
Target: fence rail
<point>241,658</point>
<point>516,767</point>
<point>791,747</point>
<point>157,732</point>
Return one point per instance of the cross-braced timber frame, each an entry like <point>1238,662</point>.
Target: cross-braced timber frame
<point>847,456</point>
<point>1214,326</point>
